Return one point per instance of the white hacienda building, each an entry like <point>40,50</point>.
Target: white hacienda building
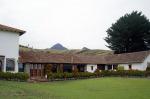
<point>9,48</point>
<point>34,62</point>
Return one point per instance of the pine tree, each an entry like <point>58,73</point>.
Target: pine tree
<point>130,33</point>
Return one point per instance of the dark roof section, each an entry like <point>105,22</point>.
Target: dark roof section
<point>11,29</point>
<point>45,57</point>
<point>135,57</point>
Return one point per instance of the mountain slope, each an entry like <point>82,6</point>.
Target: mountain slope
<point>58,47</point>
<point>72,51</point>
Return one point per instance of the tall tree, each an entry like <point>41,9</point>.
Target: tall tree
<point>129,34</point>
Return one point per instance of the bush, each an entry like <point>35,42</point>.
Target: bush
<point>148,69</point>
<point>106,73</point>
<point>14,76</point>
<point>67,75</point>
<point>53,76</point>
<point>147,74</point>
<point>86,74</point>
<point>75,73</point>
<point>58,75</point>
<point>124,73</point>
<point>47,69</point>
<point>135,73</point>
<point>120,68</point>
<point>21,76</point>
<point>97,72</point>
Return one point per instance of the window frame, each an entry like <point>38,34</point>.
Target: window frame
<point>14,63</point>
<point>130,66</point>
<point>2,59</point>
<point>92,67</point>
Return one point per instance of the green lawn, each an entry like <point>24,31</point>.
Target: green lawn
<point>102,88</point>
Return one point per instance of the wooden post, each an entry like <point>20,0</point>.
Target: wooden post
<point>57,68</point>
<point>106,67</point>
<point>61,68</point>
<point>74,67</point>
<point>112,67</point>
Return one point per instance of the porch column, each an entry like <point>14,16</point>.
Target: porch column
<point>16,65</point>
<point>27,69</point>
<point>74,67</point>
<point>57,66</point>
<point>85,68</point>
<point>112,67</point>
<point>4,65</point>
<point>61,68</point>
<point>106,67</point>
<point>42,70</point>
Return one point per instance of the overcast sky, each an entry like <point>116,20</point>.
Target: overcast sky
<point>73,23</point>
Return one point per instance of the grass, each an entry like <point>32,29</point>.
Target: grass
<point>102,88</point>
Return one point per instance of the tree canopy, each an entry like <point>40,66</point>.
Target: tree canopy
<point>130,33</point>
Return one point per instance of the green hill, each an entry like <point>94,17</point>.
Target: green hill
<point>71,51</point>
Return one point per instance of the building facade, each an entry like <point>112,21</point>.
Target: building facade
<point>9,48</point>
<point>35,63</point>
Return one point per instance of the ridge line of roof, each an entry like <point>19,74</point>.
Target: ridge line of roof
<point>11,29</point>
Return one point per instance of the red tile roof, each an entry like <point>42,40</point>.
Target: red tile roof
<point>45,57</point>
<point>11,29</point>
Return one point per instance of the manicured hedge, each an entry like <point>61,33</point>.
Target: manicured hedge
<point>97,73</point>
<point>14,76</point>
<point>66,75</point>
<point>124,73</point>
<point>86,75</point>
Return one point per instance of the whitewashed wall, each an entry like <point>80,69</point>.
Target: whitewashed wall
<point>146,61</point>
<point>9,47</point>
<point>135,66</point>
<point>138,66</point>
<point>88,67</point>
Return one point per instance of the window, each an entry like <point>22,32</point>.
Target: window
<point>130,67</point>
<point>10,64</point>
<point>1,65</point>
<point>91,67</point>
<point>115,66</point>
<point>20,67</point>
<point>1,62</point>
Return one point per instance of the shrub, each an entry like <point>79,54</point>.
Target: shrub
<point>75,73</point>
<point>14,76</point>
<point>21,76</point>
<point>147,74</point>
<point>97,72</point>
<point>135,73</point>
<point>47,69</point>
<point>58,75</point>
<point>86,74</point>
<point>55,76</point>
<point>123,73</point>
<point>148,69</point>
<point>120,67</point>
<point>105,73</point>
<point>67,75</point>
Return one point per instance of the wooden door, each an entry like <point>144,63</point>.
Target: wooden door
<point>37,71</point>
